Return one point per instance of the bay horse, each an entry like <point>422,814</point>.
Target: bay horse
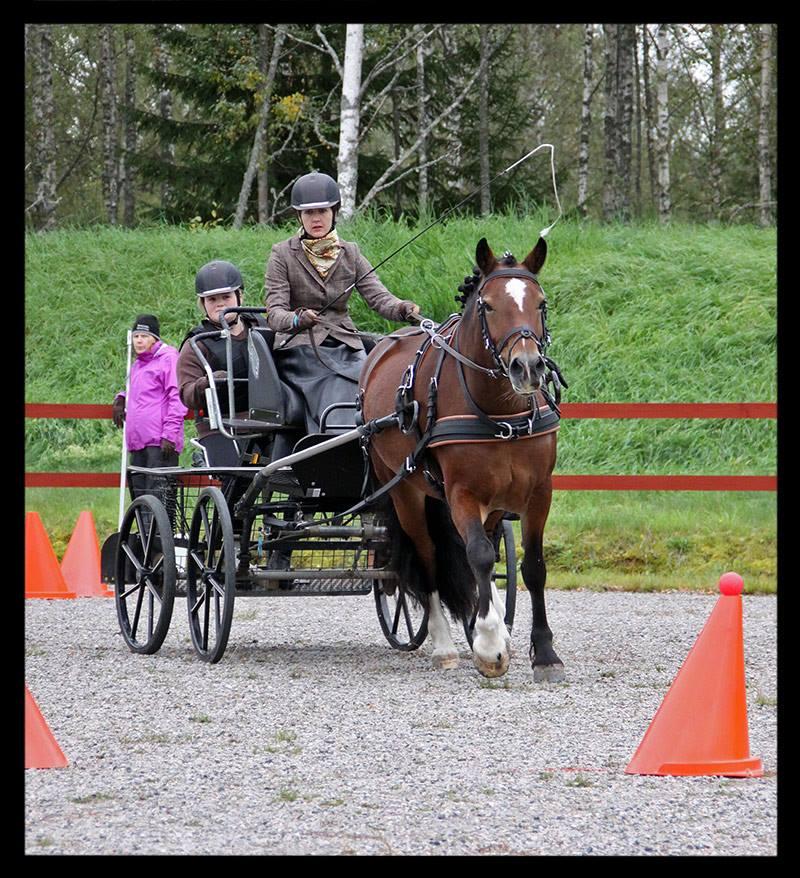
<point>478,439</point>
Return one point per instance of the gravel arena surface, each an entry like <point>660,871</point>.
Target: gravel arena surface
<point>313,736</point>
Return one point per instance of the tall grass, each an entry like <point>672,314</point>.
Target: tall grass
<point>685,313</point>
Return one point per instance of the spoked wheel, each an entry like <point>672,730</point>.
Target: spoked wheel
<point>210,575</point>
<point>504,540</point>
<point>404,621</point>
<point>144,576</point>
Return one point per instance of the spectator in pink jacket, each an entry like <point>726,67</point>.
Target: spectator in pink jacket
<point>153,412</point>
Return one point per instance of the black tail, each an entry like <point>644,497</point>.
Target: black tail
<point>454,577</point>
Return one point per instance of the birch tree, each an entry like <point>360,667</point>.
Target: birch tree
<point>625,50</point>
<point>649,118</point>
<point>350,118</point>
<point>109,178</point>
<point>586,120</point>
<point>258,140</point>
<point>483,127</point>
<point>166,147</point>
<point>610,123</point>
<point>262,177</point>
<point>44,163</point>
<point>764,159</point>
<point>718,129</point>
<point>422,121</point>
<point>127,177</point>
<point>662,123</point>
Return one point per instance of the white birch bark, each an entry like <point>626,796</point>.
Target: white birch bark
<point>586,120</point>
<point>422,121</point>
<point>350,118</point>
<point>625,50</point>
<point>483,126</point>
<point>662,123</point>
<point>764,160</point>
<point>718,129</point>
<point>43,117</point>
<point>127,177</point>
<point>166,147</point>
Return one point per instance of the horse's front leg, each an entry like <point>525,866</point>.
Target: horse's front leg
<point>547,666</point>
<point>490,642</point>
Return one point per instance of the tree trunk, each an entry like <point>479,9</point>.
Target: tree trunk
<point>764,159</point>
<point>347,162</point>
<point>586,121</point>
<point>44,163</point>
<point>662,129</point>
<point>649,118</point>
<point>398,202</point>
<point>610,127</point>
<point>422,121</point>
<point>637,129</point>
<point>719,118</point>
<point>263,119</point>
<point>110,182</point>
<point>483,121</point>
<point>625,50</point>
<point>167,148</point>
<point>262,170</point>
<point>128,177</point>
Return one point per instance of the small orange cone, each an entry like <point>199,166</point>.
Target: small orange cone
<point>41,747</point>
<point>701,726</point>
<point>43,577</point>
<point>81,562</point>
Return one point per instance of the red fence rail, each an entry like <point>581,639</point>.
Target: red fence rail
<point>573,410</point>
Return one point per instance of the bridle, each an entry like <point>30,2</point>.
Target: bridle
<point>518,333</point>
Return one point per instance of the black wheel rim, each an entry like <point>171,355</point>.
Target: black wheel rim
<point>404,622</point>
<point>210,575</point>
<point>144,591</point>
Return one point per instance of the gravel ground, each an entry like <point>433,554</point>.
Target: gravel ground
<point>312,736</point>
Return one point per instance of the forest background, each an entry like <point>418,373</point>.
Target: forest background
<point>150,146</point>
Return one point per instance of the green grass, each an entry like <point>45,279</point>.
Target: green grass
<point>638,313</point>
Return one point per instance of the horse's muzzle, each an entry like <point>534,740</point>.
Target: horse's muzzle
<point>525,371</point>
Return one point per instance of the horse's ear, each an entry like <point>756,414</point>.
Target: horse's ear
<point>484,257</point>
<point>535,259</point>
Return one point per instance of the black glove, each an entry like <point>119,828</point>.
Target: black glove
<point>304,319</point>
<point>408,310</point>
<point>118,411</point>
<point>167,448</point>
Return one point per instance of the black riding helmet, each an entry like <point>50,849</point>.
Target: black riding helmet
<point>315,190</point>
<point>218,277</point>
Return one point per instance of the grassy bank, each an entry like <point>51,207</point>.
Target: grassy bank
<point>638,313</point>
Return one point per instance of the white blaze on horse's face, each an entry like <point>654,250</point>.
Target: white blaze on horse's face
<point>515,287</point>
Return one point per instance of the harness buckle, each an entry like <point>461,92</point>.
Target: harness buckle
<point>409,465</point>
<point>406,426</point>
<point>505,426</point>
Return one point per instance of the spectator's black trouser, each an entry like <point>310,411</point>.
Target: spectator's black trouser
<point>142,483</point>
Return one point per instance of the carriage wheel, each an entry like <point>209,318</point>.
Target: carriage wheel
<point>509,578</point>
<point>210,575</point>
<point>404,621</point>
<point>144,575</point>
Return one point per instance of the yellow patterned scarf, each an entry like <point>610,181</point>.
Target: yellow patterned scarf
<point>322,252</point>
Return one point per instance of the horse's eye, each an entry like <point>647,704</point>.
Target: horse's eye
<point>487,306</point>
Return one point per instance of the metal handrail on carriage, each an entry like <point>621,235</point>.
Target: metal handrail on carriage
<point>164,548</point>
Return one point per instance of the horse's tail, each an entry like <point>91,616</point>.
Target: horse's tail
<point>454,579</point>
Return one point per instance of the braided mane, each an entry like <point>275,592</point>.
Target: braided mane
<point>471,283</point>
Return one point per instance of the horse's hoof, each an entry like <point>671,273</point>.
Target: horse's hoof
<point>445,661</point>
<point>549,673</point>
<point>491,669</point>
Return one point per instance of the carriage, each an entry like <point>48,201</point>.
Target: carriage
<point>212,532</point>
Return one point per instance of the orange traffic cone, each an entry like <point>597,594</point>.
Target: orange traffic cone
<point>701,726</point>
<point>43,577</point>
<point>41,747</point>
<point>81,562</point>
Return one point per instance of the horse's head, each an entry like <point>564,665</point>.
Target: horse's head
<point>512,310</point>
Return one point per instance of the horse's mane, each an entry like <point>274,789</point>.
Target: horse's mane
<point>471,283</point>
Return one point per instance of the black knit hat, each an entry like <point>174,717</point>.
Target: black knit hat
<point>147,323</point>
